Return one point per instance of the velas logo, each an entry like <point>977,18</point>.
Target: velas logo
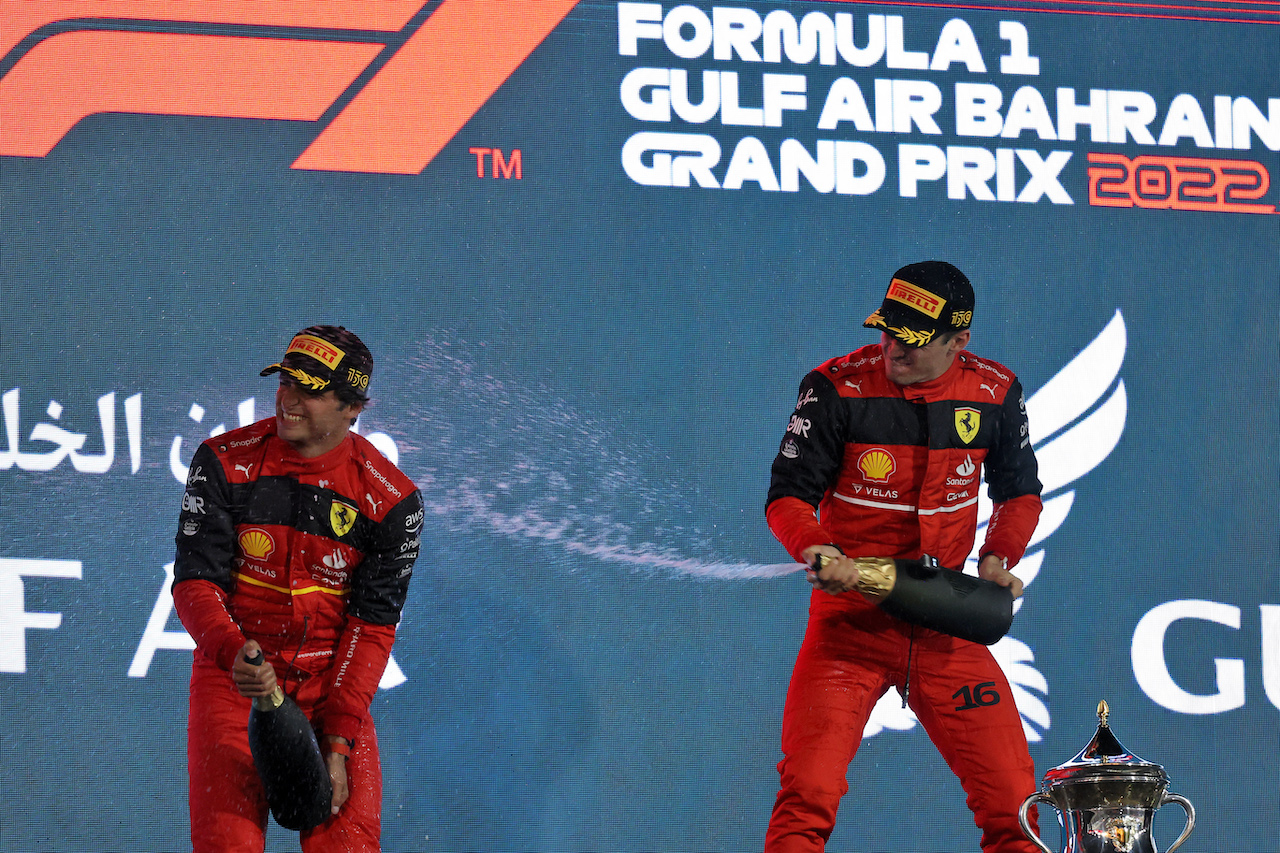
<point>292,63</point>
<point>917,297</point>
<point>318,348</point>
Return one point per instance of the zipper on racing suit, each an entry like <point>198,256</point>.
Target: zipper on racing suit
<point>293,664</point>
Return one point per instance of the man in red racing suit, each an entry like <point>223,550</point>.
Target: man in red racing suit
<point>887,444</point>
<point>297,537</point>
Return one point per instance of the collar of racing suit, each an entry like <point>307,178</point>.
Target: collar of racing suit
<point>292,462</point>
<point>934,389</point>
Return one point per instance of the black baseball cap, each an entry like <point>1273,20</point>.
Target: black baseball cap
<point>323,357</point>
<point>924,300</point>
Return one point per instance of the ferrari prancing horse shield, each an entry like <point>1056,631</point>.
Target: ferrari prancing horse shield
<point>342,517</point>
<point>967,421</point>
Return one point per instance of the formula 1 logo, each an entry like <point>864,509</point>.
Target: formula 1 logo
<point>393,81</point>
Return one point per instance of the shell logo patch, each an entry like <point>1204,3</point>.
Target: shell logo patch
<point>967,422</point>
<point>257,543</point>
<point>877,465</point>
<point>342,517</point>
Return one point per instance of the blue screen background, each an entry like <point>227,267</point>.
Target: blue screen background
<point>588,379</point>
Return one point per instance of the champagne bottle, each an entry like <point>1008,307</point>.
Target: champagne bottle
<point>924,593</point>
<point>287,757</point>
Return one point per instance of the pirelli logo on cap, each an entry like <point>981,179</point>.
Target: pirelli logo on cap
<point>917,297</point>
<point>318,348</point>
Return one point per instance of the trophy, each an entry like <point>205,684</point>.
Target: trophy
<point>1106,798</point>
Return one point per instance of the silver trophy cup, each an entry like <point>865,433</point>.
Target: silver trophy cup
<point>1106,798</point>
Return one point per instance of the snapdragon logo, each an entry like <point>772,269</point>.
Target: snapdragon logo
<point>378,475</point>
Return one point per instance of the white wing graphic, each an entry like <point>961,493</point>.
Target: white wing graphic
<point>1073,428</point>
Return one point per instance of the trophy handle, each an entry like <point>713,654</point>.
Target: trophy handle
<point>1041,798</point>
<point>1191,818</point>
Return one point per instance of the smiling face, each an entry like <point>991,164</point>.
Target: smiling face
<point>904,365</point>
<point>313,423</point>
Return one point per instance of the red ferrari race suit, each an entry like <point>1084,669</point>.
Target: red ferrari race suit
<point>310,557</point>
<point>894,472</point>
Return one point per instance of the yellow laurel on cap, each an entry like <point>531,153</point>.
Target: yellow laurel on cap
<point>315,383</point>
<point>318,348</point>
<point>911,337</point>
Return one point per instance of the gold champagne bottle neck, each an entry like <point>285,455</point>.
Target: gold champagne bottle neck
<point>269,702</point>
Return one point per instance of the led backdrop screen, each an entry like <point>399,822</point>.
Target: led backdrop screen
<point>594,247</point>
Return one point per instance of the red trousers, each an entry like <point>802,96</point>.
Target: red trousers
<point>228,806</point>
<point>852,653</point>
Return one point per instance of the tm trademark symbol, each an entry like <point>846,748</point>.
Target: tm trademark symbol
<point>508,166</point>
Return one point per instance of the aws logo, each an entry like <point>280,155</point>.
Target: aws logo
<point>392,81</point>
